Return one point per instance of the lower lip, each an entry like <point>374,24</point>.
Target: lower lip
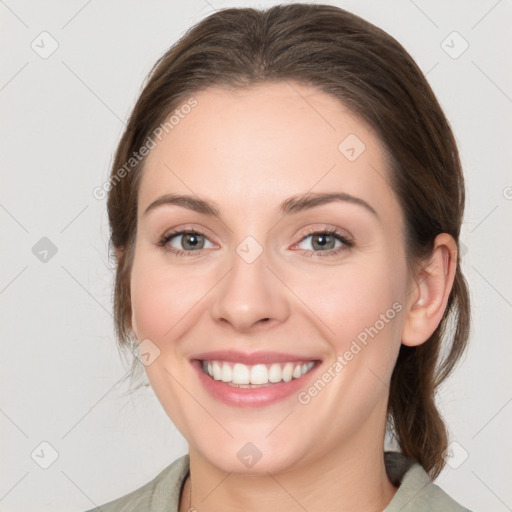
<point>252,397</point>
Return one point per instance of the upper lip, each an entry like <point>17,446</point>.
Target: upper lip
<point>250,358</point>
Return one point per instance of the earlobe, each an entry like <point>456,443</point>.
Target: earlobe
<point>430,293</point>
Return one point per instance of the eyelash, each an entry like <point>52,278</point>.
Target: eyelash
<point>347,243</point>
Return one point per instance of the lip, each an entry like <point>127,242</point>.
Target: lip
<point>251,358</point>
<point>252,397</point>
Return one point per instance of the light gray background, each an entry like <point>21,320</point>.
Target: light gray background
<point>61,119</point>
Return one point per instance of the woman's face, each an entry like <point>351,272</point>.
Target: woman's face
<point>261,289</point>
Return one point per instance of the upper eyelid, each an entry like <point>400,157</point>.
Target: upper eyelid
<point>181,232</point>
<point>335,232</point>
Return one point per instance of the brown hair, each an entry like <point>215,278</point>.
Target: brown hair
<point>369,72</point>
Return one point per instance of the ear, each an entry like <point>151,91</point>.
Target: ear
<point>430,293</point>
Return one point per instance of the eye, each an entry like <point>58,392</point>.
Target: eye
<point>324,241</point>
<point>184,243</point>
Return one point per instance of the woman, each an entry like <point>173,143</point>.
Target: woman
<point>285,207</point>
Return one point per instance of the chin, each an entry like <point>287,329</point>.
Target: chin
<point>251,458</point>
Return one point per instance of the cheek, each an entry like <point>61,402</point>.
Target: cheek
<point>362,309</point>
<point>357,298</point>
<point>149,309</point>
<point>160,298</point>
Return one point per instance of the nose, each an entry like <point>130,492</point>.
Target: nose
<point>250,296</point>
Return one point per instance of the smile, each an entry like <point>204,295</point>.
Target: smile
<point>256,379</point>
<point>258,375</point>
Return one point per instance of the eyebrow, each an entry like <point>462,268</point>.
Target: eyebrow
<point>290,205</point>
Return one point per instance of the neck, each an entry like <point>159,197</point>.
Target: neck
<point>344,479</point>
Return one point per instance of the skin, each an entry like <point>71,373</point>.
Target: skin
<point>248,151</point>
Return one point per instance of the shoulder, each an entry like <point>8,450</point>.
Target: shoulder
<point>160,494</point>
<point>416,492</point>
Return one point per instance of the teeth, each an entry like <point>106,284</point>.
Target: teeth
<point>288,372</point>
<point>240,373</point>
<point>275,373</point>
<point>226,373</point>
<point>216,371</point>
<point>258,374</point>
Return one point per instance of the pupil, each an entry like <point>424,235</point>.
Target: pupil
<point>194,239</point>
<point>323,240</point>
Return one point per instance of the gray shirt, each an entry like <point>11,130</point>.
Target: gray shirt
<point>416,493</point>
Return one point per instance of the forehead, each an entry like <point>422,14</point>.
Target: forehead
<point>266,142</point>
